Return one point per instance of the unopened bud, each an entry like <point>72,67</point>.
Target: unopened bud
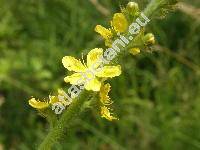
<point>132,8</point>
<point>149,39</point>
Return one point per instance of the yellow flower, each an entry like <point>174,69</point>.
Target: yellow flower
<point>134,51</point>
<point>105,113</point>
<point>82,70</point>
<point>119,23</point>
<point>42,104</point>
<point>104,98</point>
<point>105,33</point>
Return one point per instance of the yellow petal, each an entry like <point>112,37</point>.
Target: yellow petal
<point>105,33</point>
<point>72,64</point>
<point>93,85</point>
<point>61,92</point>
<point>104,98</point>
<point>75,78</point>
<point>134,51</point>
<point>37,104</point>
<point>53,99</point>
<point>119,23</point>
<point>109,71</point>
<point>105,113</point>
<point>93,56</point>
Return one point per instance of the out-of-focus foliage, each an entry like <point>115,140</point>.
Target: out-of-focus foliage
<point>157,98</point>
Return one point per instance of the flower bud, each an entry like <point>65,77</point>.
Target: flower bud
<point>134,51</point>
<point>119,22</point>
<point>149,39</point>
<point>132,8</point>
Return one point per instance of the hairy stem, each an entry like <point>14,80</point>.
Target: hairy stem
<point>63,123</point>
<point>152,7</point>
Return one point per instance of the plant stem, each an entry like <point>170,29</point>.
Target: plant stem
<point>68,116</point>
<point>152,7</point>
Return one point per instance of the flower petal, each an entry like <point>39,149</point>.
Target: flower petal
<point>105,33</point>
<point>93,85</point>
<point>72,64</point>
<point>75,78</point>
<point>109,71</point>
<point>93,57</point>
<point>37,104</point>
<point>119,23</point>
<point>53,99</point>
<point>105,113</point>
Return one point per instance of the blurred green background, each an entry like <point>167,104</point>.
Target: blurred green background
<point>157,98</point>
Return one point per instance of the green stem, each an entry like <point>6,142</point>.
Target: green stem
<point>68,116</point>
<point>152,7</point>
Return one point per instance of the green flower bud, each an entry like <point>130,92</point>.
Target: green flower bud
<point>149,39</point>
<point>132,8</point>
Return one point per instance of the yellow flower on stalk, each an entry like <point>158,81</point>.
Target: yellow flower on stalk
<point>91,69</point>
<point>105,113</point>
<point>119,22</point>
<point>104,98</point>
<point>42,104</point>
<point>134,51</point>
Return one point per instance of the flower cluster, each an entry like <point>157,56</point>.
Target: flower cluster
<point>126,31</point>
<point>123,24</point>
<point>89,76</point>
